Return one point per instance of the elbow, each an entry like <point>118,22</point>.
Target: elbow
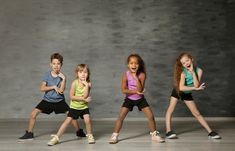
<point>41,89</point>
<point>181,88</point>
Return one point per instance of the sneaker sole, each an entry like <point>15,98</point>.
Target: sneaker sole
<point>172,137</point>
<point>113,142</point>
<point>91,142</point>
<point>214,137</point>
<point>24,140</point>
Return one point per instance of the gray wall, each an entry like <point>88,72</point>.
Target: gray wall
<point>102,33</point>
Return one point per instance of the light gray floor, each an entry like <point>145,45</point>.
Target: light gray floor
<point>134,136</point>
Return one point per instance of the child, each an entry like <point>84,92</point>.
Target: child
<point>133,82</point>
<point>79,94</point>
<point>187,78</point>
<point>53,85</point>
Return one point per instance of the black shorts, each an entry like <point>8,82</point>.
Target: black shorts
<point>49,107</point>
<point>183,96</point>
<point>75,114</point>
<point>141,103</point>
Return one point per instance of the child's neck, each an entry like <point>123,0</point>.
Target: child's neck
<point>54,74</point>
<point>80,83</point>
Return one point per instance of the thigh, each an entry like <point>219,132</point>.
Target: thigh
<point>142,104</point>
<point>128,104</point>
<point>45,107</point>
<point>123,112</point>
<point>192,107</point>
<point>148,112</point>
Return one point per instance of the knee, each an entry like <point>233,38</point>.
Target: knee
<point>197,114</point>
<point>87,121</point>
<point>120,119</point>
<point>151,118</point>
<point>33,115</point>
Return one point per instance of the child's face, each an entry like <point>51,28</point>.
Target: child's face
<point>186,62</point>
<point>56,65</point>
<point>133,64</point>
<point>83,74</point>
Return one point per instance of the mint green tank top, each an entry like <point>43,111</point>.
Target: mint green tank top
<point>189,78</point>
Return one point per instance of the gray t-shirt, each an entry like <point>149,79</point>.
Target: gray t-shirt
<point>52,96</point>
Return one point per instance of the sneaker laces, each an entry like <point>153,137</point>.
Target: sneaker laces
<point>155,133</point>
<point>114,136</point>
<point>55,137</point>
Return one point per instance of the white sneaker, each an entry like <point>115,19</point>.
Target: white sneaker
<point>90,139</point>
<point>114,138</point>
<point>156,137</point>
<point>55,140</point>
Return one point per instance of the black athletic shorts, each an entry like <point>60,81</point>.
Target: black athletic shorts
<point>75,114</point>
<point>48,107</point>
<point>141,103</point>
<point>183,96</point>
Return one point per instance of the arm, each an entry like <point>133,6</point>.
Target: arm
<point>84,98</point>
<point>87,89</point>
<point>140,84</point>
<point>196,78</point>
<point>63,83</point>
<point>182,86</point>
<point>45,88</point>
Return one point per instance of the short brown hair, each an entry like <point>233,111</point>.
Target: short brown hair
<point>57,56</point>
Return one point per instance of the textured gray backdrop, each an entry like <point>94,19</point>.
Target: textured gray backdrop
<point>102,33</point>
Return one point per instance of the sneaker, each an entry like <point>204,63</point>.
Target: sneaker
<point>90,139</point>
<point>55,140</point>
<point>156,137</point>
<point>26,136</point>
<point>214,135</point>
<point>171,135</point>
<point>114,138</point>
<point>80,133</point>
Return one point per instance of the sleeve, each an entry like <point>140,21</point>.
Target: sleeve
<point>45,77</point>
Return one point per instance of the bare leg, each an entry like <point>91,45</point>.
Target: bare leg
<point>119,121</point>
<point>32,119</point>
<point>75,124</point>
<point>149,114</point>
<point>170,110</point>
<point>88,123</point>
<point>193,108</point>
<point>64,126</point>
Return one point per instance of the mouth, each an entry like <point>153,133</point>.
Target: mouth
<point>133,68</point>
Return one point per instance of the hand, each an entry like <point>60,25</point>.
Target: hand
<point>201,87</point>
<point>85,83</point>
<point>61,75</point>
<point>191,68</point>
<point>58,91</point>
<point>141,92</point>
<point>88,99</point>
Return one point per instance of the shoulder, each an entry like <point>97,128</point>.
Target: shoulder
<point>125,74</point>
<point>198,69</point>
<point>74,82</point>
<point>142,75</point>
<point>47,75</point>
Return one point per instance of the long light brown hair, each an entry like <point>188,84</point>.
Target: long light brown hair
<point>179,69</point>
